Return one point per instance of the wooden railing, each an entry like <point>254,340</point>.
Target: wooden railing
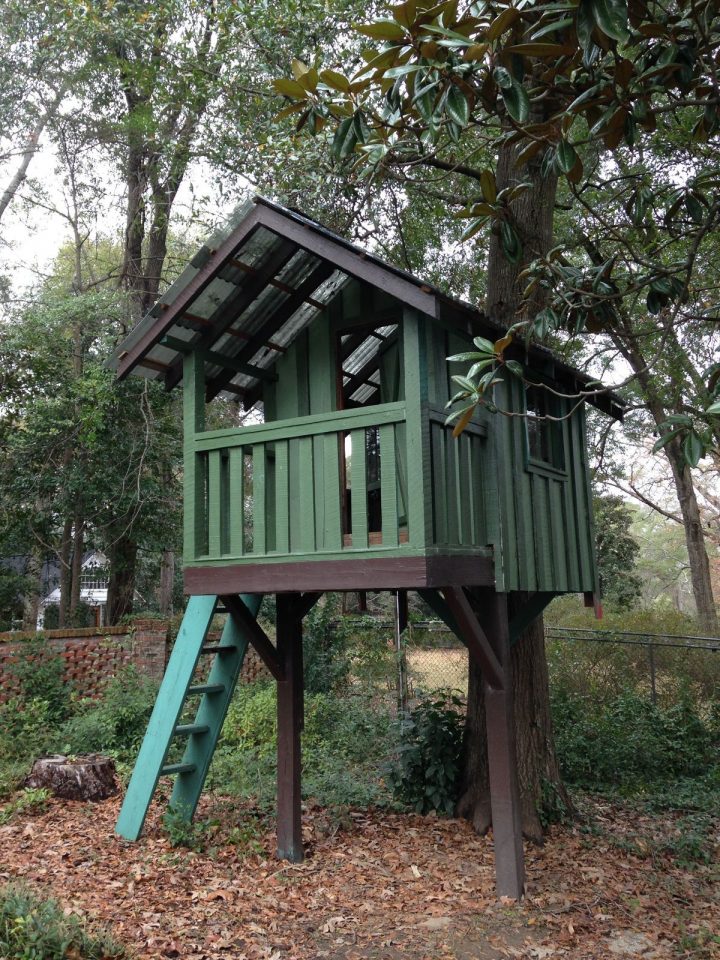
<point>334,484</point>
<point>280,488</point>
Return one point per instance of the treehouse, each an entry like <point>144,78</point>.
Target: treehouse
<point>350,480</point>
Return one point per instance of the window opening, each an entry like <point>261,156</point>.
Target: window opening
<point>544,435</point>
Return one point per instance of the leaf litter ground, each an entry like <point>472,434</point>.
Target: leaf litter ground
<point>374,886</point>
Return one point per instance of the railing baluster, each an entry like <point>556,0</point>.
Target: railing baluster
<point>214,505</point>
<point>259,498</point>
<point>388,487</point>
<point>358,490</point>
<point>451,490</point>
<point>282,504</point>
<point>236,510</point>
<point>307,493</point>
<point>331,466</point>
<point>439,489</point>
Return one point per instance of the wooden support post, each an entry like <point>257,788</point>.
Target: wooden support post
<point>289,714</point>
<point>401,622</point>
<point>502,759</point>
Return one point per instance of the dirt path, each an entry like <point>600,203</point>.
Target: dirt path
<point>374,886</point>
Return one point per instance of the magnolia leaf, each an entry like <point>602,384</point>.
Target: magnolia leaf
<point>510,242</point>
<point>488,185</point>
<point>611,16</point>
<point>457,106</point>
<point>541,49</point>
<point>515,368</point>
<point>464,357</point>
<point>566,156</point>
<point>477,367</point>
<point>299,69</point>
<point>335,80</point>
<point>483,345</point>
<point>381,30</point>
<point>464,420</point>
<point>517,102</point>
<point>714,409</point>
<point>664,440</point>
<point>503,343</point>
<point>290,88</point>
<point>345,138</point>
<point>693,448</point>
<point>502,22</point>
<point>473,228</point>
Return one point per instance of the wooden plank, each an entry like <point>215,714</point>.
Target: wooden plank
<point>231,308</point>
<point>211,713</point>
<point>558,531</point>
<point>420,500</point>
<point>311,426</point>
<point>358,489</point>
<point>584,521</point>
<point>306,495</point>
<point>356,263</point>
<point>388,487</point>
<point>543,541</point>
<point>343,571</point>
<point>214,504</point>
<point>439,489</point>
<point>454,506</point>
<point>474,637</point>
<point>244,618</point>
<point>466,508</point>
<point>258,499</point>
<point>193,475</point>
<point>186,296</point>
<point>236,502</point>
<point>282,498</point>
<point>332,533</point>
<point>166,713</point>
<point>290,722</point>
<point>502,757</point>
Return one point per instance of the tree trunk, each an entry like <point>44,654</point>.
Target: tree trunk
<point>167,579</point>
<point>542,794</point>
<point>31,600</point>
<point>694,538</point>
<point>75,778</point>
<point>65,572</point>
<point>121,586</point>
<point>539,775</point>
<point>76,569</point>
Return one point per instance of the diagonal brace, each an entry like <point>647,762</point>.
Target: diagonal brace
<point>257,636</point>
<point>474,637</point>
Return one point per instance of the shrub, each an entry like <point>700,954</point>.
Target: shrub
<point>32,928</point>
<point>114,724</point>
<point>427,774</point>
<point>25,728</point>
<point>326,654</point>
<point>629,740</point>
<point>41,670</point>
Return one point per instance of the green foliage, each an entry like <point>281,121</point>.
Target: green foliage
<point>115,723</point>
<point>182,831</point>
<point>427,774</point>
<point>628,741</point>
<point>326,654</point>
<point>345,744</point>
<point>25,729</point>
<point>40,670</point>
<point>32,800</point>
<point>33,928</point>
<point>617,551</point>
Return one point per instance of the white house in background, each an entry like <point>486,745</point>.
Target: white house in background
<point>93,587</point>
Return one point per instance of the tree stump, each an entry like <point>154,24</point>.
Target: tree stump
<point>91,777</point>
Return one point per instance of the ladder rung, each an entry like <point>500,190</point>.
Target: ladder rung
<point>218,648</point>
<point>178,768</point>
<point>187,729</point>
<point>205,688</point>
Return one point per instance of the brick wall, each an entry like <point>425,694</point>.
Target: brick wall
<point>92,656</point>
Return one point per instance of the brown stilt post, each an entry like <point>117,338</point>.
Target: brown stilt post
<point>290,720</point>
<point>502,759</point>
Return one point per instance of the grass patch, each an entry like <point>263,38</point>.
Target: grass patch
<point>34,928</point>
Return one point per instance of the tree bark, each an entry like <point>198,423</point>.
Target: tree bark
<point>167,578</point>
<point>65,572</point>
<point>542,794</point>
<point>539,775</point>
<point>121,586</point>
<point>76,569</point>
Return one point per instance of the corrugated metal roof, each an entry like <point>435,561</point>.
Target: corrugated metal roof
<point>255,284</point>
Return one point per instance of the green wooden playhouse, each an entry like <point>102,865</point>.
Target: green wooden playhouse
<point>351,481</point>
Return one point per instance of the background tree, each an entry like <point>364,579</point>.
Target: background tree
<point>509,114</point>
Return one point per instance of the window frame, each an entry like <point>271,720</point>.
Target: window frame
<point>557,466</point>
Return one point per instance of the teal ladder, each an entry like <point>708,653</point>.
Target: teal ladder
<point>177,689</point>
